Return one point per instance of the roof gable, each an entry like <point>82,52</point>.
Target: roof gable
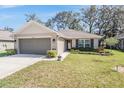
<point>33,27</point>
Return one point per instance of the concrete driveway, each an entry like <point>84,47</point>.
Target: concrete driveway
<point>11,64</point>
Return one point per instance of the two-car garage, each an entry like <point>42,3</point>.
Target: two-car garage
<point>34,45</point>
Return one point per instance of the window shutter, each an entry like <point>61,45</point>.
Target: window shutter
<point>76,43</point>
<point>92,43</point>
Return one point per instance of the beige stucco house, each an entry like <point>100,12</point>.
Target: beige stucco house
<point>34,38</point>
<point>6,40</point>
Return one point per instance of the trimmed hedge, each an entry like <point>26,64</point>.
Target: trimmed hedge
<point>11,51</point>
<point>85,49</point>
<point>52,53</point>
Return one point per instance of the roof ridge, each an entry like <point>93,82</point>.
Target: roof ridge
<point>80,31</point>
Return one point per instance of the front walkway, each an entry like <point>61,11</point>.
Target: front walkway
<point>14,63</point>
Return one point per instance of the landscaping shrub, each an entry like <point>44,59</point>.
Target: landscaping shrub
<point>75,51</point>
<point>100,50</point>
<point>87,49</point>
<point>11,51</point>
<point>51,53</point>
<point>84,49</point>
<point>104,52</point>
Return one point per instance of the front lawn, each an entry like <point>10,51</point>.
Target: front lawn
<point>77,70</point>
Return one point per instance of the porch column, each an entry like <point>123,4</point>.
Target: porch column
<point>17,46</point>
<point>73,43</point>
<point>96,43</point>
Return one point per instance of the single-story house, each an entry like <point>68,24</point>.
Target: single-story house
<point>6,40</point>
<point>37,39</point>
<point>121,39</point>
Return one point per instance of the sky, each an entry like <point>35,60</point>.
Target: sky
<point>14,16</point>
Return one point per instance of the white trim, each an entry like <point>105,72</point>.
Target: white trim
<point>51,39</point>
<point>24,37</point>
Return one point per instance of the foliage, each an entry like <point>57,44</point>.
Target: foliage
<point>8,29</point>
<point>65,20</point>
<point>100,50</point>
<point>74,50</point>
<point>111,41</point>
<point>33,17</point>
<point>83,51</point>
<point>104,52</point>
<point>11,51</point>
<point>7,52</point>
<point>52,53</point>
<point>103,20</point>
<point>88,17</point>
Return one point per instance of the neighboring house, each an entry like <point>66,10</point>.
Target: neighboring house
<point>121,39</point>
<point>35,38</point>
<point>6,40</point>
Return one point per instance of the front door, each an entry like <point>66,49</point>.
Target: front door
<point>69,44</point>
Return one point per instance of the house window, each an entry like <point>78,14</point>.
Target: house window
<point>84,43</point>
<point>81,43</point>
<point>87,43</point>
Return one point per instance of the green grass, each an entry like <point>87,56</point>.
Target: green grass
<point>77,70</point>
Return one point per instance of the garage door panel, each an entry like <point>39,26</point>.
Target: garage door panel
<point>34,46</point>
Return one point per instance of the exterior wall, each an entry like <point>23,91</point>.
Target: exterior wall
<point>53,43</point>
<point>73,43</point>
<point>6,45</point>
<point>35,31</point>
<point>96,43</point>
<point>17,46</point>
<point>60,46</point>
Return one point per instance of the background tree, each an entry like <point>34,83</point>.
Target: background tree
<point>65,20</point>
<point>33,17</point>
<point>89,17</point>
<point>112,41</point>
<point>50,23</point>
<point>110,20</point>
<point>103,19</point>
<point>8,29</point>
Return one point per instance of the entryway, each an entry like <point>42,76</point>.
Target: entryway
<point>68,44</point>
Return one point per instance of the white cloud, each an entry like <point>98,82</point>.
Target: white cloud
<point>8,6</point>
<point>6,17</point>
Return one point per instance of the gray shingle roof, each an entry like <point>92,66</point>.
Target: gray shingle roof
<point>6,35</point>
<point>70,34</point>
